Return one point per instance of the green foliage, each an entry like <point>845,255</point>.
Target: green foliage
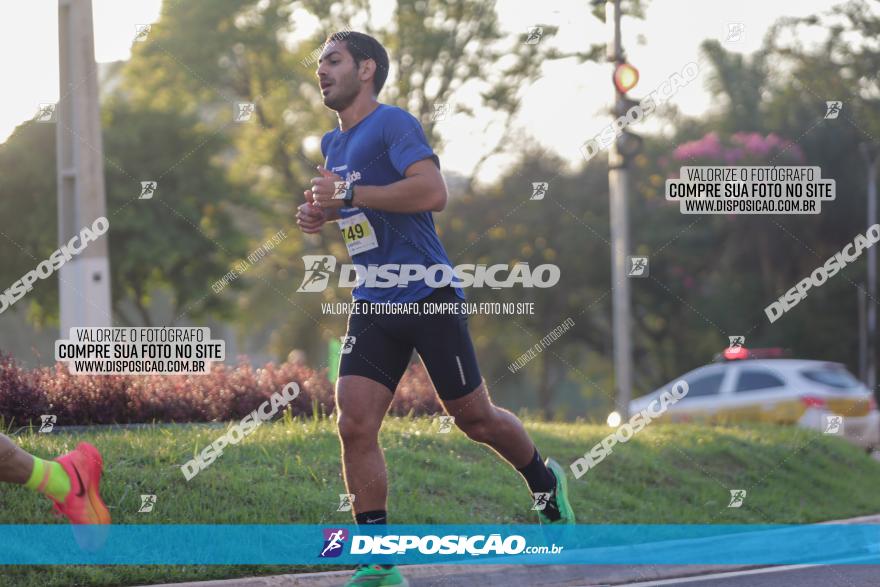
<point>568,228</point>
<point>203,58</point>
<point>288,472</point>
<point>183,239</point>
<point>711,276</point>
<point>28,214</point>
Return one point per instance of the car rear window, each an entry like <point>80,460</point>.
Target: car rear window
<point>705,385</point>
<point>756,380</point>
<point>837,378</point>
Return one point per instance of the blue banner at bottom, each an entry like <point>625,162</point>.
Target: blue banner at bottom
<point>688,544</point>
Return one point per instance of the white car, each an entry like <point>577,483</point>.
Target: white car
<point>813,394</point>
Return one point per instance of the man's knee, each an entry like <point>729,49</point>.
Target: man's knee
<point>479,429</point>
<point>356,429</point>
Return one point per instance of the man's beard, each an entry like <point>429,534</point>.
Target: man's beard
<point>347,91</point>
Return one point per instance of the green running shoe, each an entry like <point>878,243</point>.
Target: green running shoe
<point>376,576</point>
<point>560,494</point>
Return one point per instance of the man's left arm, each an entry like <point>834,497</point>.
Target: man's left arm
<point>421,190</point>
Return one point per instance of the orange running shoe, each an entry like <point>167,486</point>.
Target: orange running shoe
<point>83,505</point>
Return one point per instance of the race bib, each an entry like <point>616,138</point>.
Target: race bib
<point>358,234</point>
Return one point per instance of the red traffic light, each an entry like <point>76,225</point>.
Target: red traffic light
<point>625,77</point>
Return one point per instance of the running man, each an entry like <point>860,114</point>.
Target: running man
<point>72,481</point>
<point>392,186</point>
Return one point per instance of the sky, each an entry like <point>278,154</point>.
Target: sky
<point>560,111</point>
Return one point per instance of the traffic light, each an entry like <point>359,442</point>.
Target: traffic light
<point>629,144</point>
<point>625,77</point>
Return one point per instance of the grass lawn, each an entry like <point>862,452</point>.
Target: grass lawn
<point>288,472</point>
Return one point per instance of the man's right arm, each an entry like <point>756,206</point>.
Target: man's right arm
<point>311,218</point>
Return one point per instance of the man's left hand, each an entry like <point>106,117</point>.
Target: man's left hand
<point>325,187</point>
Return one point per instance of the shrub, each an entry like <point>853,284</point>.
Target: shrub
<point>227,393</point>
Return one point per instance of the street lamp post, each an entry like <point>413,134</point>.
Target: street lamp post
<point>618,179</point>
<point>84,281</point>
<point>871,154</point>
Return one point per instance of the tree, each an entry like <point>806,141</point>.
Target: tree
<point>201,58</point>
<point>181,241</point>
<point>28,215</point>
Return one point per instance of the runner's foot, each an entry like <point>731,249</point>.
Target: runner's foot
<point>559,496</point>
<point>83,505</point>
<point>376,576</point>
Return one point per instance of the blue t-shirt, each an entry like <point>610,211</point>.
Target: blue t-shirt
<point>377,151</point>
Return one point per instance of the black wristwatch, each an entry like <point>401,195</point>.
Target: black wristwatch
<point>349,197</point>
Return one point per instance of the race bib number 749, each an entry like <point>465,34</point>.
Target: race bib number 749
<point>358,234</point>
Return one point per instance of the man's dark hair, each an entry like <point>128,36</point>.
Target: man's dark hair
<point>362,47</point>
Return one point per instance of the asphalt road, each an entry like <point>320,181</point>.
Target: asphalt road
<point>850,575</point>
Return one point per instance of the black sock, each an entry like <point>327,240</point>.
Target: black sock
<point>370,518</point>
<point>373,517</point>
<point>540,479</point>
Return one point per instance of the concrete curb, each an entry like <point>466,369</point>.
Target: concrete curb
<point>504,575</point>
<point>488,575</point>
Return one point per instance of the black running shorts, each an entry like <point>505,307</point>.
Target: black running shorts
<point>380,343</point>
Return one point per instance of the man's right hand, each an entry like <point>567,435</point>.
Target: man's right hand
<point>309,217</point>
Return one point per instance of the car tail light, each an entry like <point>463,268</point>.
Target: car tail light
<point>872,403</point>
<point>812,401</point>
<point>735,353</point>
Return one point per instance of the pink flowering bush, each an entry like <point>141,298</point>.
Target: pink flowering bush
<point>742,148</point>
<point>227,393</point>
